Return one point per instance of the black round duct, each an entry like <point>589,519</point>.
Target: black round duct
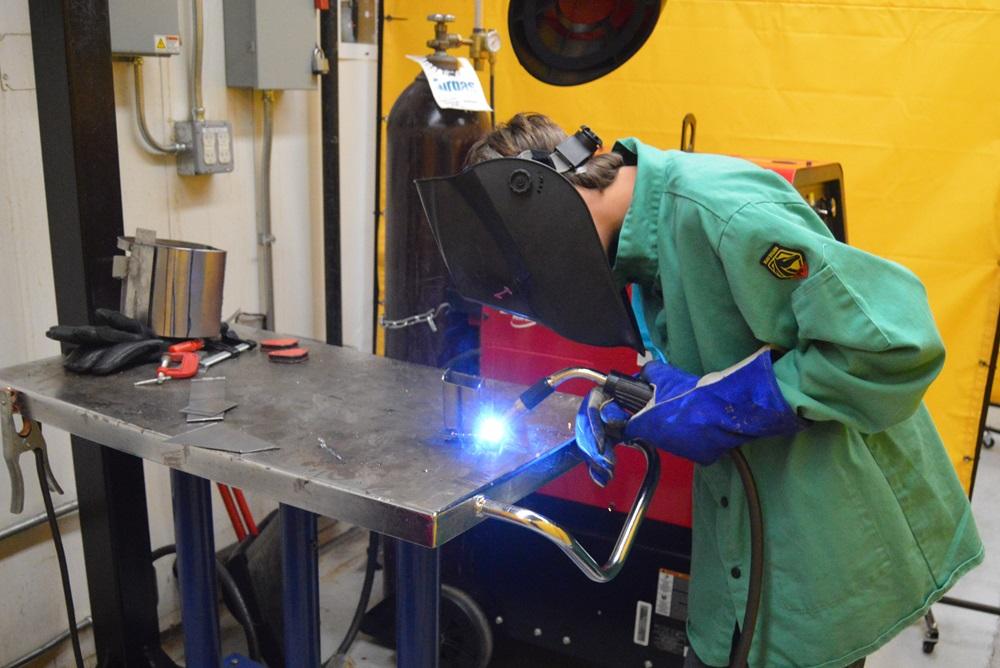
<point>570,42</point>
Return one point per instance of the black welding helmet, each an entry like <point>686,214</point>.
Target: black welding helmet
<point>517,236</point>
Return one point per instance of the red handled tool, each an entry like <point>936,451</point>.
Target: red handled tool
<point>190,346</point>
<point>227,494</point>
<point>234,517</point>
<point>174,365</point>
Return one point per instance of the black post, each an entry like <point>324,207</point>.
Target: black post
<point>380,21</point>
<point>329,37</point>
<point>991,369</point>
<point>71,46</point>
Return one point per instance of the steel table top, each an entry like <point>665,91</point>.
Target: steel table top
<point>397,473</point>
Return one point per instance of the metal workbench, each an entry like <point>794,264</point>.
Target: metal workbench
<point>391,470</point>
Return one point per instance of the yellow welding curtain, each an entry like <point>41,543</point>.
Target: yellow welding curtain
<point>903,93</point>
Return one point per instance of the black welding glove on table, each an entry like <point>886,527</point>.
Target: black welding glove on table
<point>114,343</point>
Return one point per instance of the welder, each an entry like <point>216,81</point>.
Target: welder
<point>811,356</point>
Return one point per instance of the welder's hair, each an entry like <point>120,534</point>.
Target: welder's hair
<point>531,131</point>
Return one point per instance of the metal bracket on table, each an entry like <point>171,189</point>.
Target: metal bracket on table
<point>18,441</point>
<point>551,531</point>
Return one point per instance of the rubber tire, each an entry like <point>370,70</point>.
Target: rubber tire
<point>466,636</point>
<point>929,646</point>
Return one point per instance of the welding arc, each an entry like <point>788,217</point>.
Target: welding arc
<point>50,513</point>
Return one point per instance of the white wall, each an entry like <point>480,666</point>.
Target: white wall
<point>357,190</point>
<point>217,210</point>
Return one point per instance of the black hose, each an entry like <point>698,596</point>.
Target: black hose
<point>161,552</point>
<point>228,584</point>
<point>366,591</point>
<point>242,615</point>
<point>493,109</point>
<point>742,652</point>
<point>50,512</point>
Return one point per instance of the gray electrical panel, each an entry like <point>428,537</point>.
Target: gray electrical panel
<point>144,28</point>
<point>270,43</point>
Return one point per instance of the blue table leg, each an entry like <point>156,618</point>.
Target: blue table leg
<point>300,587</point>
<point>195,539</point>
<point>418,597</point>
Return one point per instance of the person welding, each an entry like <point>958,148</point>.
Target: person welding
<point>811,356</point>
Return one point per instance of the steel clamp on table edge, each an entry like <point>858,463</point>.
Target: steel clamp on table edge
<point>15,443</point>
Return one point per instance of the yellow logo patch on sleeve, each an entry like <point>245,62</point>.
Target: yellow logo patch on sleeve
<point>785,262</point>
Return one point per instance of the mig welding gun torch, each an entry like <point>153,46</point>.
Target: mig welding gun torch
<point>623,409</point>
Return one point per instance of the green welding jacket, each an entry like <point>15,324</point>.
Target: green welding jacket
<point>866,523</point>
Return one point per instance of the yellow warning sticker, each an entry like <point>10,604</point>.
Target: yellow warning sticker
<point>166,44</point>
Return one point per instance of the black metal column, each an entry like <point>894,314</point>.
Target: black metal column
<point>76,116</point>
<point>330,96</point>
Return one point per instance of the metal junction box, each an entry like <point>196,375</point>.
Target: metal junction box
<point>211,147</point>
<point>270,43</point>
<point>144,28</point>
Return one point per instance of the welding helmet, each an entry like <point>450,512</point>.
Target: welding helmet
<point>516,235</point>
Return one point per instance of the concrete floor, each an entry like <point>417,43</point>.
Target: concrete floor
<point>968,639</point>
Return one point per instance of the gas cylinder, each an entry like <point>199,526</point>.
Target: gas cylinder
<point>423,140</point>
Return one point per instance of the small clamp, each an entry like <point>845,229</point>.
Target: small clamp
<point>17,442</point>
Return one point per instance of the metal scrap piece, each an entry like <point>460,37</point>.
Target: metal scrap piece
<point>222,437</point>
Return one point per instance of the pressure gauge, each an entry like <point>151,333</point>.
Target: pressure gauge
<point>493,43</point>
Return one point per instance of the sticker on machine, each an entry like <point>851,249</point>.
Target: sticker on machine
<point>672,594</point>
<point>167,44</point>
<point>643,620</point>
<point>454,89</point>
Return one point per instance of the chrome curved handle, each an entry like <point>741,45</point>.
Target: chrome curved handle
<point>548,529</point>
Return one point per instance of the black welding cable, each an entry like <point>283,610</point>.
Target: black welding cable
<point>366,592</point>
<point>50,512</point>
<point>242,611</point>
<point>228,584</point>
<point>742,652</point>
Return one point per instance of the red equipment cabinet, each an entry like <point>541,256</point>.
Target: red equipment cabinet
<point>521,351</point>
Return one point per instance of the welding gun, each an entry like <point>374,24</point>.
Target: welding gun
<point>632,394</point>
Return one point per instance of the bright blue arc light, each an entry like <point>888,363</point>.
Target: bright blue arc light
<point>490,430</point>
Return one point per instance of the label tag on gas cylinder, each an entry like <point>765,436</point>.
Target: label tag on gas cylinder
<point>460,89</point>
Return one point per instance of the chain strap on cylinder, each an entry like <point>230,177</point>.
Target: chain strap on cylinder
<point>429,317</point>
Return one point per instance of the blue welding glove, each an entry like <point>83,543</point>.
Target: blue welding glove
<point>594,437</point>
<point>702,418</point>
<point>600,421</point>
